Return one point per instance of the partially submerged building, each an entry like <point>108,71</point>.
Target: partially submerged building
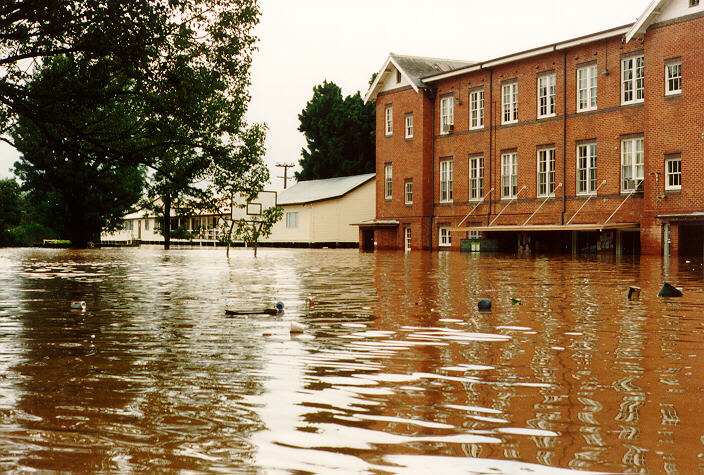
<point>322,213</point>
<point>594,144</point>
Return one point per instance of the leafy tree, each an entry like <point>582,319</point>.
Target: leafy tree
<point>108,39</point>
<point>168,82</point>
<point>195,111</point>
<point>339,133</point>
<point>10,210</point>
<point>251,231</point>
<point>239,180</point>
<point>88,192</point>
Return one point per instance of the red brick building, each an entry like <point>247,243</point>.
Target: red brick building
<point>594,144</point>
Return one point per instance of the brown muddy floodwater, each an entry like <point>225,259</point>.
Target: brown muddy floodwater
<point>397,370</point>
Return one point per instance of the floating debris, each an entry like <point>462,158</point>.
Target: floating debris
<point>484,304</point>
<point>633,293</point>
<point>669,290</point>
<point>297,328</point>
<point>78,305</point>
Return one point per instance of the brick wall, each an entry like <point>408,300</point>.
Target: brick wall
<point>669,125</point>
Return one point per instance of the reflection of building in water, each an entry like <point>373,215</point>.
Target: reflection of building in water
<point>590,145</point>
<point>585,379</point>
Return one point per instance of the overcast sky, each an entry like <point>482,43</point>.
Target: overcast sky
<point>304,42</point>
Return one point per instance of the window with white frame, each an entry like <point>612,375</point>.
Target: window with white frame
<point>445,239</point>
<point>408,192</point>
<point>673,173</point>
<point>146,224</point>
<point>476,109</point>
<point>387,181</point>
<point>632,164</point>
<point>673,77</point>
<point>407,238</point>
<point>389,120</point>
<point>476,178</point>
<point>509,102</point>
<point>446,181</point>
<point>409,126</point>
<point>292,219</point>
<point>546,95</point>
<point>632,79</point>
<point>586,169</point>
<point>447,114</point>
<point>693,3</point>
<point>546,172</point>
<point>586,88</point>
<point>509,175</point>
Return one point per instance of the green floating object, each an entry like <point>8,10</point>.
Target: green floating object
<point>515,301</point>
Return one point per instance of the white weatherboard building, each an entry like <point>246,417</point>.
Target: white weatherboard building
<point>321,213</point>
<point>317,213</point>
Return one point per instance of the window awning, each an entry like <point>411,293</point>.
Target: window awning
<point>548,227</point>
<point>694,216</point>
<point>377,223</point>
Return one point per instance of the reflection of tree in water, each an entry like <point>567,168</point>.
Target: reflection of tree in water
<point>148,376</point>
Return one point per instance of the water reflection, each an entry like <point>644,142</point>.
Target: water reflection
<point>398,370</point>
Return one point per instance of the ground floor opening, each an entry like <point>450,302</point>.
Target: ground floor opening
<point>691,240</point>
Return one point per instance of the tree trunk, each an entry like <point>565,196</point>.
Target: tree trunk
<point>166,231</point>
<point>229,237</point>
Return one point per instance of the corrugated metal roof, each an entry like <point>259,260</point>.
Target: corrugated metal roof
<point>317,190</point>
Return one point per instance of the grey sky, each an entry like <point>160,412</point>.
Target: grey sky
<point>303,42</point>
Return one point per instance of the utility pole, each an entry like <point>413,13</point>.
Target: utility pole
<point>285,166</point>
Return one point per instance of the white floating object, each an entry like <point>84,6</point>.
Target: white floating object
<point>78,305</point>
<point>297,327</point>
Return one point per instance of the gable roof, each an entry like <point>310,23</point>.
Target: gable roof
<point>317,190</point>
<point>646,19</point>
<point>413,68</point>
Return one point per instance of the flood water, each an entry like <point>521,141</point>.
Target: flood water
<point>397,370</point>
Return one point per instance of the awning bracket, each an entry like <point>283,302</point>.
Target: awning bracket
<point>587,200</point>
<point>475,207</point>
<point>515,198</point>
<point>635,188</point>
<point>541,204</point>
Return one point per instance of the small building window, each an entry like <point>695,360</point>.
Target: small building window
<point>693,3</point>
<point>146,224</point>
<point>446,181</point>
<point>673,173</point>
<point>586,88</point>
<point>409,126</point>
<point>407,238</point>
<point>388,171</point>
<point>476,109</point>
<point>509,175</point>
<point>632,79</point>
<point>546,95</point>
<point>476,178</point>
<point>509,103</point>
<point>673,77</point>
<point>447,114</point>
<point>445,240</point>
<point>632,164</point>
<point>408,192</point>
<point>292,219</point>
<point>389,121</point>
<point>546,172</point>
<point>398,76</point>
<point>586,169</point>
